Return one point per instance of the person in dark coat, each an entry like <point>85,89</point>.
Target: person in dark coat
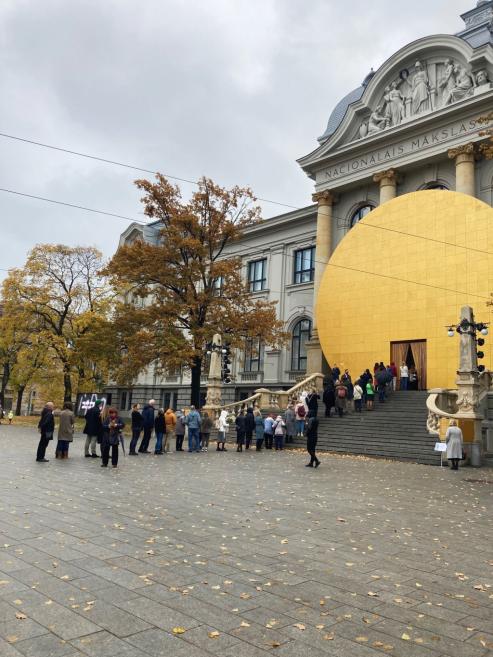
<point>328,397</point>
<point>240,431</point>
<point>205,431</point>
<point>46,426</point>
<point>381,379</point>
<point>311,433</point>
<point>112,429</point>
<point>160,429</point>
<point>93,429</point>
<point>137,426</point>
<point>259,430</point>
<point>249,427</point>
<point>311,401</point>
<point>148,424</point>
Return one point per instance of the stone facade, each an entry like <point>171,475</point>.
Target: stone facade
<point>412,125</point>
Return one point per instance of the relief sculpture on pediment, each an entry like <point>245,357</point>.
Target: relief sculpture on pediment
<point>424,88</point>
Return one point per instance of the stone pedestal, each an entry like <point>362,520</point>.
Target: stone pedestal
<point>214,382</point>
<point>465,180</point>
<point>388,184</point>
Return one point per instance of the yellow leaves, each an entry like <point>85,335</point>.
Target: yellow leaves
<point>300,626</point>
<point>405,637</point>
<point>178,630</point>
<point>20,616</point>
<point>244,624</point>
<point>339,519</point>
<point>12,638</point>
<point>213,635</point>
<point>372,594</point>
<point>329,636</point>
<point>361,639</point>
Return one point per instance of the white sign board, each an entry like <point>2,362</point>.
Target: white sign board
<point>440,447</point>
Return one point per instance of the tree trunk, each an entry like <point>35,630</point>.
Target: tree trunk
<point>67,383</point>
<point>195,386</point>
<point>20,394</point>
<point>5,381</point>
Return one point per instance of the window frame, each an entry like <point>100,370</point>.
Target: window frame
<point>253,280</point>
<point>298,270</point>
<point>253,364</point>
<point>298,332</point>
<point>357,211</point>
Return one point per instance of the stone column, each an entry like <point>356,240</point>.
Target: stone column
<point>214,381</point>
<point>388,184</point>
<point>323,251</point>
<point>465,181</point>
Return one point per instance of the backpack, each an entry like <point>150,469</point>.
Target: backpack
<point>341,392</point>
<point>301,410</point>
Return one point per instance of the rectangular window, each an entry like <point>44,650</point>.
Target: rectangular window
<point>254,355</point>
<point>257,275</point>
<point>168,399</point>
<point>123,402</point>
<point>304,265</point>
<point>218,286</point>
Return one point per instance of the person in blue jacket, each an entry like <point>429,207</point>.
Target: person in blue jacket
<point>193,421</point>
<point>148,423</point>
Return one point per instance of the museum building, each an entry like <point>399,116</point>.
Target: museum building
<point>400,234</point>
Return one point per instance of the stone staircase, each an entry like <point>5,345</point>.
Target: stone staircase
<point>394,430</point>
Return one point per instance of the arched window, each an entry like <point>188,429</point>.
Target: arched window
<point>359,214</point>
<point>301,334</point>
<point>436,185</point>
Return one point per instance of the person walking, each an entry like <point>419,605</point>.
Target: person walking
<point>170,421</point>
<point>455,444</point>
<point>180,429</point>
<point>370,395</point>
<point>222,431</point>
<point>404,371</point>
<point>328,397</point>
<point>259,430</point>
<point>341,398</point>
<point>205,430</point>
<point>311,432</point>
<point>300,410</point>
<point>112,429</point>
<point>240,423</point>
<point>46,426</point>
<point>193,421</point>
<point>65,431</point>
<point>137,426</point>
<point>93,429</point>
<point>249,427</point>
<point>358,396</point>
<point>268,431</point>
<point>148,413</point>
<point>279,427</point>
<point>290,418</point>
<point>160,430</point>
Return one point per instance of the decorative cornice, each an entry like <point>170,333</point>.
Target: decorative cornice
<point>391,175</point>
<point>465,149</point>
<point>324,198</point>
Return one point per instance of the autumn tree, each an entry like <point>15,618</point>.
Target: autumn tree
<point>182,288</point>
<point>61,290</point>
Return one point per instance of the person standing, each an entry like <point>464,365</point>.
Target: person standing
<point>413,379</point>
<point>381,379</point>
<point>65,431</point>
<point>205,431</point>
<point>358,396</point>
<point>240,423</point>
<point>393,370</point>
<point>455,444</point>
<point>222,431</point>
<point>259,430</point>
<point>312,401</point>
<point>300,410</point>
<point>279,427</point>
<point>341,395</point>
<point>160,429</point>
<point>11,416</point>
<point>290,423</point>
<point>249,427</point>
<point>311,431</point>
<point>137,425</point>
<point>370,395</point>
<point>170,421</point>
<point>268,431</point>
<point>112,428</point>
<point>328,397</point>
<point>93,429</point>
<point>404,371</point>
<point>148,413</point>
<point>193,421</point>
<point>180,430</point>
<point>46,426</point>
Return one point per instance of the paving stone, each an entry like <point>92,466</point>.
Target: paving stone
<point>104,644</point>
<point>45,646</point>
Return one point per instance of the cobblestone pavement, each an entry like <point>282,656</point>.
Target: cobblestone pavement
<point>241,555</point>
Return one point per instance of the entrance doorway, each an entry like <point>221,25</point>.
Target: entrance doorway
<point>413,353</point>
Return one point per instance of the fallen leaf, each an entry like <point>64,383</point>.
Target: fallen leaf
<point>244,624</point>
<point>329,636</point>
<point>19,615</point>
<point>319,627</point>
<point>12,638</point>
<point>341,519</point>
<point>178,630</point>
<point>275,644</point>
<point>300,626</point>
<point>213,635</point>
<point>405,637</point>
<point>361,639</point>
<point>372,594</point>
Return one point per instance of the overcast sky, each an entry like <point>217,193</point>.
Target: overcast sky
<point>233,89</point>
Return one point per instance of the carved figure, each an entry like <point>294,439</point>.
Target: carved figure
<point>482,77</point>
<point>396,106</point>
<point>463,86</point>
<point>377,121</point>
<point>447,82</point>
<point>420,94</point>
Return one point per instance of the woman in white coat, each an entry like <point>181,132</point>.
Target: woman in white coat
<point>222,431</point>
<point>454,441</point>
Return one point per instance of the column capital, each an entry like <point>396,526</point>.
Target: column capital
<point>324,198</point>
<point>468,150</point>
<point>391,176</point>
